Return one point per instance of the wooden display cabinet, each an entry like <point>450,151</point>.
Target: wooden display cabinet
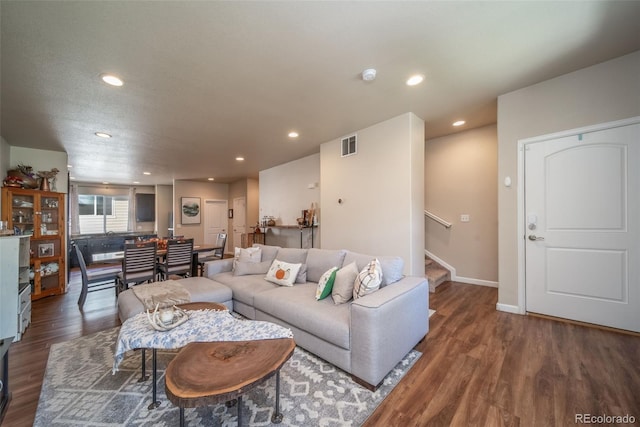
<point>39,214</point>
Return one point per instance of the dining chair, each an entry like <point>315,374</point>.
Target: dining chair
<point>218,253</point>
<point>93,281</point>
<point>178,259</point>
<point>139,264</point>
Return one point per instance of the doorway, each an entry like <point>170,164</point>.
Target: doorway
<point>580,224</point>
<point>215,220</point>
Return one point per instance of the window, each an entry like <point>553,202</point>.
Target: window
<point>95,205</point>
<point>101,214</point>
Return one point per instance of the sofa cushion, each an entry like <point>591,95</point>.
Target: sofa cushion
<point>244,267</point>
<point>246,255</point>
<point>392,266</point>
<point>292,255</point>
<point>343,285</point>
<point>268,252</point>
<point>321,260</point>
<point>325,284</point>
<point>302,274</point>
<point>368,280</point>
<point>297,306</point>
<point>282,273</point>
<point>244,288</point>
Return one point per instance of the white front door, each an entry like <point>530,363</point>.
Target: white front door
<point>582,235</point>
<point>239,219</point>
<point>215,220</point>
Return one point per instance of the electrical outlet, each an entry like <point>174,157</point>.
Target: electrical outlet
<point>464,218</point>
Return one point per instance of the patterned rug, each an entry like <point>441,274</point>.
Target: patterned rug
<point>79,389</point>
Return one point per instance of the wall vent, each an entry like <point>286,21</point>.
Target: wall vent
<point>349,145</point>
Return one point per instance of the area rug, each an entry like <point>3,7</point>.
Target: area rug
<point>79,389</point>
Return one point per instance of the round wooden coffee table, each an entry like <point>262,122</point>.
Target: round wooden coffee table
<point>205,373</point>
<point>143,377</point>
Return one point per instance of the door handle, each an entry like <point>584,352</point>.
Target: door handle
<point>534,238</point>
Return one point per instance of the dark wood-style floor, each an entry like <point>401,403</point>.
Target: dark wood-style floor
<point>479,366</point>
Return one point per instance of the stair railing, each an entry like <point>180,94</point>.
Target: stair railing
<point>437,219</point>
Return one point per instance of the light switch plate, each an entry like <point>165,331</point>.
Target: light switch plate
<point>464,218</point>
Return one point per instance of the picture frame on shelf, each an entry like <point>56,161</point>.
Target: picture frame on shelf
<point>190,210</point>
<point>46,250</point>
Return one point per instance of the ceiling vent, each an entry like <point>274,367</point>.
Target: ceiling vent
<point>349,145</point>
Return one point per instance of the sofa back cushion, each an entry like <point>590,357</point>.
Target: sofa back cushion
<point>321,260</point>
<point>392,266</point>
<point>245,268</point>
<point>292,255</point>
<point>268,252</point>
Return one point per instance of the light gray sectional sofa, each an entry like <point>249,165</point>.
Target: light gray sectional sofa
<point>365,337</point>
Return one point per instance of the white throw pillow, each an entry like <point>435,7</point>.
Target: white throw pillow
<point>325,284</point>
<point>283,273</point>
<point>368,280</point>
<point>253,254</point>
<point>343,285</point>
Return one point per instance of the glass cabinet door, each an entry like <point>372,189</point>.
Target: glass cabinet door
<point>23,213</point>
<point>49,216</point>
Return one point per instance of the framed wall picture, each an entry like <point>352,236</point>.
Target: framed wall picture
<point>190,209</point>
<point>45,250</point>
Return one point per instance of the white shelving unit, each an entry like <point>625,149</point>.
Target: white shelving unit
<point>14,276</point>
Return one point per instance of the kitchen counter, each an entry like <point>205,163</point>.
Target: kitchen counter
<point>101,244</point>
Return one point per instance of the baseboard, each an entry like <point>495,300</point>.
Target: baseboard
<point>472,281</point>
<point>508,308</point>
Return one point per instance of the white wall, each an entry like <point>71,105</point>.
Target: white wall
<point>284,193</point>
<point>164,209</point>
<point>5,164</point>
<point>460,178</point>
<point>605,92</point>
<point>382,192</point>
<point>42,160</point>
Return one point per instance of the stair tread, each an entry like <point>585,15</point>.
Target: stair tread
<point>435,273</point>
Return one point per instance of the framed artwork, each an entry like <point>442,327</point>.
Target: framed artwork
<point>190,209</point>
<point>230,213</point>
<point>45,250</point>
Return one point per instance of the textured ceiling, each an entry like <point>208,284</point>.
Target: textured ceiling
<point>208,81</point>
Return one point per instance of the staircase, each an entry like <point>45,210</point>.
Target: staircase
<point>435,273</point>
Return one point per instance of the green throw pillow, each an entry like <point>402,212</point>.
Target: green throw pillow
<point>325,284</point>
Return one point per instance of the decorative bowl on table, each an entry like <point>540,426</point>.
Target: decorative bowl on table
<point>167,318</point>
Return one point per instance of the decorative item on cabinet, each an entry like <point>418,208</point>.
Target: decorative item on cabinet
<point>40,215</point>
<point>21,177</point>
<point>45,176</point>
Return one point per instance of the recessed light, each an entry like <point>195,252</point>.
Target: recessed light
<point>459,123</point>
<point>415,80</point>
<point>210,179</point>
<point>369,75</point>
<point>146,173</point>
<point>239,158</point>
<point>293,134</point>
<point>112,80</point>
<point>69,166</point>
<point>103,135</point>
<point>105,182</point>
<point>136,182</point>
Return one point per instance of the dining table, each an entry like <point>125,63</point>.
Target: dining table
<point>194,256</point>
<point>119,256</point>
